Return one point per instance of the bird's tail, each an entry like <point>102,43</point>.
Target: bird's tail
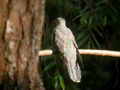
<point>74,72</point>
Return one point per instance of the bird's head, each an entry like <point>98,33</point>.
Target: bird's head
<point>60,21</point>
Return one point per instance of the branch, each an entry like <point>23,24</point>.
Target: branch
<point>85,52</point>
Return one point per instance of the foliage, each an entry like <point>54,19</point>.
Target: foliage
<point>95,24</point>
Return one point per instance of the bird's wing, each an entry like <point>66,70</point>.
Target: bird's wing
<point>76,46</point>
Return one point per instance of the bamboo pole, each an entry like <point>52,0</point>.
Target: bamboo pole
<point>86,52</point>
<point>45,52</point>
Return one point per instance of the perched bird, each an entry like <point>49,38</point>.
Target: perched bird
<point>68,48</point>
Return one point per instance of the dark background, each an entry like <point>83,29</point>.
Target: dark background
<point>96,25</point>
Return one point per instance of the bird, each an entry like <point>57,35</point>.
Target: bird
<point>67,46</point>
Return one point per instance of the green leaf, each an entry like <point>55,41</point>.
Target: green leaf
<point>90,20</point>
<point>82,35</point>
<point>98,31</point>
<point>96,42</point>
<point>83,41</point>
<point>100,2</point>
<point>89,44</point>
<point>61,82</point>
<point>105,20</point>
<point>55,81</point>
<point>51,65</point>
<point>83,20</point>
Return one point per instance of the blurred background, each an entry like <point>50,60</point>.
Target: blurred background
<point>96,25</point>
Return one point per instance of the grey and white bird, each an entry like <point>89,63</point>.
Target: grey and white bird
<point>67,46</point>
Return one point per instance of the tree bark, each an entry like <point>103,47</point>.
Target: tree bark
<point>21,24</point>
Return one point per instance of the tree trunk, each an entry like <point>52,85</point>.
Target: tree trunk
<point>21,24</point>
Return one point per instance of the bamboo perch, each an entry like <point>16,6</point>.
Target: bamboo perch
<point>85,52</point>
